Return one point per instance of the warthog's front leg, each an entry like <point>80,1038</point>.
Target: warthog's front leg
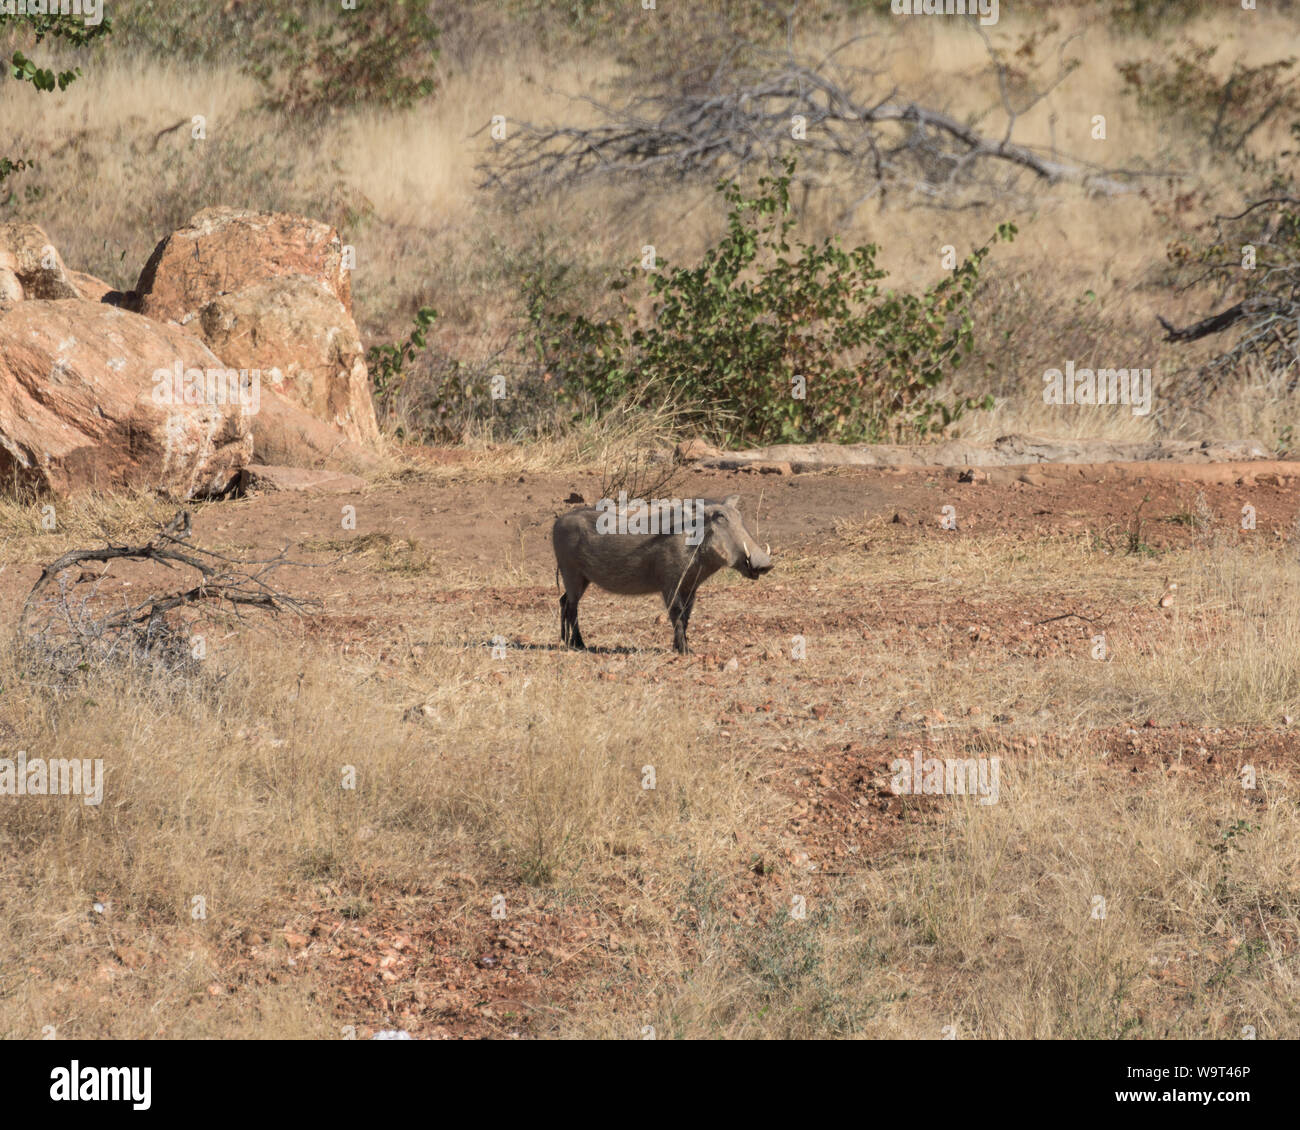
<point>679,612</point>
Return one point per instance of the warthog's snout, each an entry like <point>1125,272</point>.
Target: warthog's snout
<point>757,561</point>
<point>686,545</point>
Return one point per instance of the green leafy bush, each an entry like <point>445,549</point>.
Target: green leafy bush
<point>429,398</point>
<point>387,363</point>
<point>764,342</point>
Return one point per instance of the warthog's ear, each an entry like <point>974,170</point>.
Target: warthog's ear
<point>732,500</point>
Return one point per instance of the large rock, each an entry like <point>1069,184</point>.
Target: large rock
<point>93,289</point>
<point>30,266</point>
<point>287,435</point>
<point>268,292</point>
<point>295,327</point>
<point>80,406</point>
<point>224,250</point>
<point>11,290</point>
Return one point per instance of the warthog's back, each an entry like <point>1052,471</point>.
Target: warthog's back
<point>627,564</point>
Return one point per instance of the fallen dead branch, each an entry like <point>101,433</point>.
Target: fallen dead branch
<point>66,624</point>
<point>744,112</point>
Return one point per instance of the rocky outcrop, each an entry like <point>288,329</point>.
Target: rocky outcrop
<point>260,300</point>
<point>82,407</point>
<point>269,293</point>
<point>93,289</point>
<point>225,250</point>
<point>286,435</point>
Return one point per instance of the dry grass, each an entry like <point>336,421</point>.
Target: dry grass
<point>1232,653</point>
<point>984,919</point>
<point>526,770</point>
<point>235,794</point>
<point>1225,653</point>
<point>1199,926</point>
<point>524,773</point>
<point>86,518</point>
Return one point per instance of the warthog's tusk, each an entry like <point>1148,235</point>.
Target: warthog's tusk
<point>768,549</point>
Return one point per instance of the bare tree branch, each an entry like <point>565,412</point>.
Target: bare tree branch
<point>1270,308</point>
<point>1217,323</point>
<point>745,111</point>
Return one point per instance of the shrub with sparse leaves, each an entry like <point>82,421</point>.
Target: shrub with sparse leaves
<point>768,341</point>
<point>1226,111</point>
<point>378,54</point>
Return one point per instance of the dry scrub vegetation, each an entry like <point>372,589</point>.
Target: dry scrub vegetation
<point>1085,279</point>
<point>477,776</point>
<point>232,793</point>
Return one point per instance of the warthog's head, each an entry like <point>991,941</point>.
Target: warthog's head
<point>728,542</point>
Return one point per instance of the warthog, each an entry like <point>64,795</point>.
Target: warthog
<point>699,540</point>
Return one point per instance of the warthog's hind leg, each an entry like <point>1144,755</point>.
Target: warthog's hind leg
<point>569,633</point>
